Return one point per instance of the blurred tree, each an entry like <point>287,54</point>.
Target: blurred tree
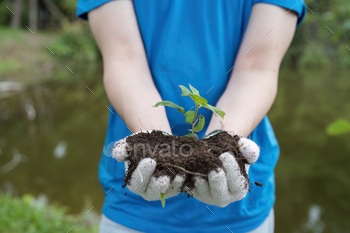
<point>321,40</point>
<point>56,12</point>
<point>33,14</point>
<point>17,16</point>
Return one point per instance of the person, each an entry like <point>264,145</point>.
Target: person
<point>231,51</point>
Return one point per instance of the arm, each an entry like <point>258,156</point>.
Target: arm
<point>252,87</point>
<point>127,78</point>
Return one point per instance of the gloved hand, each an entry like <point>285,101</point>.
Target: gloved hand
<point>227,185</point>
<point>142,181</point>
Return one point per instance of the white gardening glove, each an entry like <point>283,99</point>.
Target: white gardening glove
<point>226,185</point>
<point>142,181</point>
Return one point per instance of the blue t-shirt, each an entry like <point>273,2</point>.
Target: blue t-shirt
<point>192,42</point>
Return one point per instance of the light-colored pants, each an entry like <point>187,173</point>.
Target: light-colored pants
<point>109,226</point>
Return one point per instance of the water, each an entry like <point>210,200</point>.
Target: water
<point>52,133</point>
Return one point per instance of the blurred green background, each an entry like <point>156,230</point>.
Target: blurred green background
<point>52,127</point>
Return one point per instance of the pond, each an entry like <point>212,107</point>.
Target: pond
<point>52,134</point>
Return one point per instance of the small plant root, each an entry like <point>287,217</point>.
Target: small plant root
<point>183,169</point>
<point>189,172</point>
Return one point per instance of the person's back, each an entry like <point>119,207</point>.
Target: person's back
<point>198,42</point>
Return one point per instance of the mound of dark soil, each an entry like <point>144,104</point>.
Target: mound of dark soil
<point>182,155</point>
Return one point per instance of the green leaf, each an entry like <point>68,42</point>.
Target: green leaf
<point>215,110</point>
<point>194,90</point>
<point>338,127</point>
<point>181,109</point>
<point>190,116</point>
<point>190,135</point>
<point>200,124</point>
<point>170,104</point>
<point>185,90</point>
<point>198,99</point>
<point>162,199</point>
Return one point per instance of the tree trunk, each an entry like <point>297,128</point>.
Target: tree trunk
<point>33,14</point>
<point>17,10</point>
<point>56,12</point>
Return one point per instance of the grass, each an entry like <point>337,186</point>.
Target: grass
<point>29,215</point>
<point>24,55</point>
<point>27,57</point>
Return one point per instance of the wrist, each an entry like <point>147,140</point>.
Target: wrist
<point>220,124</point>
<point>140,126</point>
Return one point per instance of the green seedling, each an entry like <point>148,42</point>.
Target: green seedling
<point>191,116</point>
<point>197,121</point>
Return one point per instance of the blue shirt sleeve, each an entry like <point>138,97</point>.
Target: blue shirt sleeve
<point>84,6</point>
<point>294,5</point>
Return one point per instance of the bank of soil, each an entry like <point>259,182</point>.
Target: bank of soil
<point>193,155</point>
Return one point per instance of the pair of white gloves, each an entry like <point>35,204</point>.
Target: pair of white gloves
<point>221,188</point>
